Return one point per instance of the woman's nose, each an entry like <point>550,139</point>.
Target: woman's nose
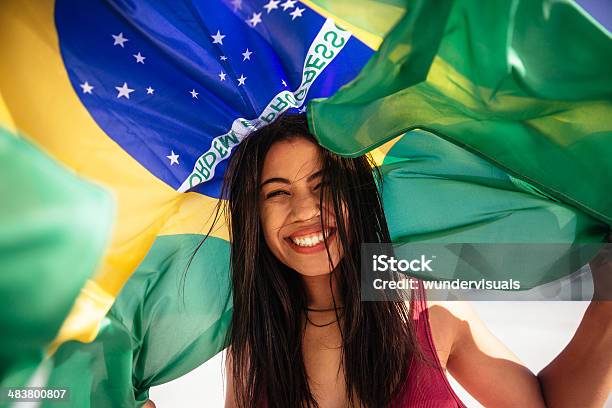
<point>305,206</point>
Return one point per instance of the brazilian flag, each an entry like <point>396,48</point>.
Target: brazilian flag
<point>489,120</point>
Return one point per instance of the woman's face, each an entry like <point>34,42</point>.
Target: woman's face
<point>290,188</point>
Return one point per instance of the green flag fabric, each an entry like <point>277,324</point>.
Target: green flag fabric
<point>437,192</point>
<point>525,85</point>
<point>164,323</point>
<point>54,228</point>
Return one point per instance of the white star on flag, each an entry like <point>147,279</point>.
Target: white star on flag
<point>296,13</point>
<point>119,40</point>
<point>218,38</point>
<point>223,58</point>
<point>173,157</point>
<point>288,4</point>
<point>139,58</point>
<point>241,80</point>
<point>256,19</point>
<point>284,83</point>
<point>86,87</point>
<point>247,55</point>
<point>124,91</point>
<point>237,4</point>
<point>271,5</point>
<point>302,109</point>
<point>222,76</point>
<point>194,94</point>
<point>150,91</point>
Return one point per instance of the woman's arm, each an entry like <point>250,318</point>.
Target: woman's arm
<point>483,365</point>
<point>581,375</point>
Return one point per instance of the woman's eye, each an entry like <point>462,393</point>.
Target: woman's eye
<point>318,186</point>
<point>276,193</point>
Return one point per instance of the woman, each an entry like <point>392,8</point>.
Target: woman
<point>301,337</point>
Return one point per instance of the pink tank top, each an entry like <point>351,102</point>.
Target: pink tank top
<point>427,385</point>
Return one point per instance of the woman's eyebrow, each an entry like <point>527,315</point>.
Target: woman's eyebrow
<point>274,180</point>
<point>286,181</point>
<point>315,175</point>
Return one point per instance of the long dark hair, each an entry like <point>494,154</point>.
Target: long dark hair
<point>266,331</point>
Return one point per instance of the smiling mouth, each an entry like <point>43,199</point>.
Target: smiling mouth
<point>312,242</point>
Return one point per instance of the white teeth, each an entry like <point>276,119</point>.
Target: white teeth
<point>310,240</point>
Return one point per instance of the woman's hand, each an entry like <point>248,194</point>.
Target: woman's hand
<point>149,404</point>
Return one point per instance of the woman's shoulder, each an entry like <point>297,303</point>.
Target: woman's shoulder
<point>452,313</point>
<point>448,322</point>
